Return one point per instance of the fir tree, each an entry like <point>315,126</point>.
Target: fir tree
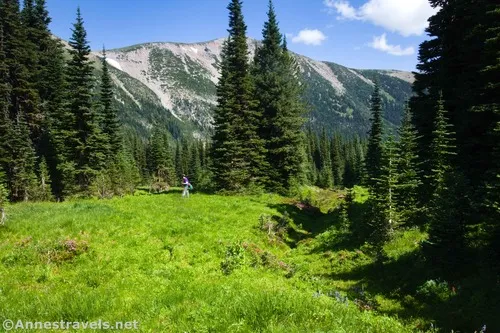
<point>336,160</point>
<point>161,164</point>
<point>325,174</point>
<point>278,92</point>
<point>408,170</point>
<point>383,210</point>
<point>6,134</point>
<point>195,171</point>
<point>448,197</point>
<point>89,144</point>
<point>44,189</point>
<point>238,152</point>
<point>110,124</point>
<point>21,172</point>
<point>442,148</point>
<point>375,149</point>
<point>179,171</point>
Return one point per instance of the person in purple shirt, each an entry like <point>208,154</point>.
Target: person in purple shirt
<point>187,185</point>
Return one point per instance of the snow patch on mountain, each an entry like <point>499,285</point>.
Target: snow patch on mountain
<point>114,63</point>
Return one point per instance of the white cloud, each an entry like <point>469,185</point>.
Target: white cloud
<point>406,17</point>
<point>342,7</point>
<point>380,43</point>
<point>309,37</point>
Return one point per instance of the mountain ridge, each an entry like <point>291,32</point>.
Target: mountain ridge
<point>175,82</point>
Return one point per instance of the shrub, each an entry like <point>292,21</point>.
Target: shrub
<point>435,291</point>
<point>234,258</point>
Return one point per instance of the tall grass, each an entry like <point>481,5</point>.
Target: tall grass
<point>157,259</point>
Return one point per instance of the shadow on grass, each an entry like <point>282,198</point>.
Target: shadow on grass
<point>408,280</point>
<point>308,219</point>
<point>466,306</point>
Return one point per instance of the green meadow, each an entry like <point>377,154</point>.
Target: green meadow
<point>208,264</point>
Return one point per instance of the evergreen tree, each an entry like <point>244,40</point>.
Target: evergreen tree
<point>383,210</point>
<point>89,143</point>
<point>449,196</point>
<point>110,124</point>
<point>238,152</point>
<point>325,175</point>
<point>6,134</point>
<point>44,190</point>
<point>195,170</point>
<point>375,149</point>
<point>461,61</point>
<point>185,157</point>
<point>18,102</point>
<point>408,170</point>
<point>310,166</point>
<point>278,92</point>
<point>442,148</point>
<point>161,164</point>
<point>336,160</point>
<point>179,171</point>
<point>21,172</point>
<point>49,82</point>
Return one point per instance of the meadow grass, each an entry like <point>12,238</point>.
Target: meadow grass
<point>204,264</point>
<point>157,259</point>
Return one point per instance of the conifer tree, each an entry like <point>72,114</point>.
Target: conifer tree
<point>49,82</point>
<point>109,122</point>
<point>5,121</point>
<point>325,176</point>
<point>448,197</point>
<point>89,142</point>
<point>443,148</point>
<point>383,210</point>
<point>195,171</point>
<point>161,164</point>
<point>408,170</point>
<point>21,172</point>
<point>278,92</point>
<point>461,61</point>
<point>336,160</point>
<point>375,149</point>
<point>44,189</point>
<point>178,161</point>
<point>238,154</point>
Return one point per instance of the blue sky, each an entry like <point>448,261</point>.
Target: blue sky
<point>378,34</point>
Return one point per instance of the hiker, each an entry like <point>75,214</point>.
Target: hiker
<point>187,186</point>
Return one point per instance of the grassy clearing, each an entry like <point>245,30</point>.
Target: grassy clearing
<point>200,265</point>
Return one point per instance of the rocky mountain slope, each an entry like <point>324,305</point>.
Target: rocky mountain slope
<point>175,83</point>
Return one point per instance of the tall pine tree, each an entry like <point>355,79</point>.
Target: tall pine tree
<point>409,174</point>
<point>238,153</point>
<point>109,118</point>
<point>375,149</point>
<point>278,92</point>
<point>89,145</point>
<point>448,197</point>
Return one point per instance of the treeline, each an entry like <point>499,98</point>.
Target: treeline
<point>443,173</point>
<point>59,133</point>
<point>334,161</point>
